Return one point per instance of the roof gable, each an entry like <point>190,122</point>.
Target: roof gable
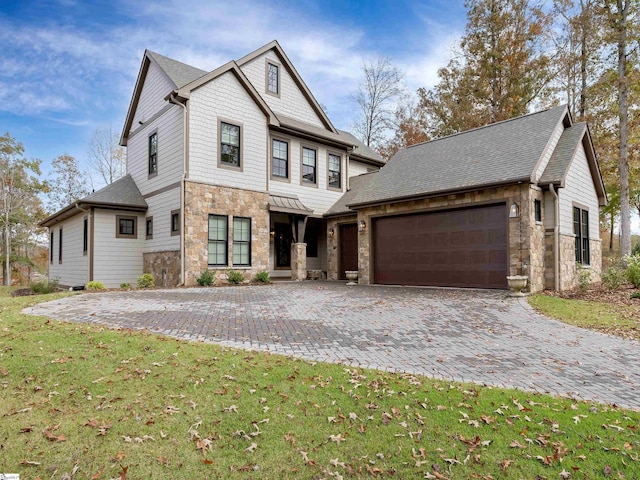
<point>284,60</point>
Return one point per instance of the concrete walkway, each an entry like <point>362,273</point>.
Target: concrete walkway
<point>464,335</point>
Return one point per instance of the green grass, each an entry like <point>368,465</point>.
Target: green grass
<point>617,319</point>
<point>88,402</point>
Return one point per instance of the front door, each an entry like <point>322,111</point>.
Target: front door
<point>348,249</point>
<point>282,245</point>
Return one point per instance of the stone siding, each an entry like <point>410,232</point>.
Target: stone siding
<point>537,250</point>
<point>164,266</point>
<point>202,200</point>
<point>298,261</point>
<point>568,273</point>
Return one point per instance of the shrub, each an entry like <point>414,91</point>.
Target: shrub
<point>636,249</point>
<point>235,277</point>
<point>613,278</point>
<point>584,278</point>
<point>635,295</point>
<point>95,285</point>
<point>145,280</point>
<point>125,286</point>
<point>45,286</point>
<point>633,269</point>
<point>206,278</point>
<point>262,277</point>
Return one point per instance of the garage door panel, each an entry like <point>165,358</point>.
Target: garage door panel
<point>461,248</point>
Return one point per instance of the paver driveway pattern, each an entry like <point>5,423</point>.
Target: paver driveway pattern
<point>465,335</point>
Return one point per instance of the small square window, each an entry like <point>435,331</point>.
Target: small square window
<point>537,205</point>
<point>175,222</point>
<point>126,227</point>
<point>149,228</point>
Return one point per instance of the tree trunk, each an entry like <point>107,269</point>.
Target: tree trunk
<point>7,252</point>
<point>613,219</point>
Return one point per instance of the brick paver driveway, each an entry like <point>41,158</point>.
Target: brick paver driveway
<point>477,336</point>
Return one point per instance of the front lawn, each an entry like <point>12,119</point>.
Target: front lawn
<point>82,401</point>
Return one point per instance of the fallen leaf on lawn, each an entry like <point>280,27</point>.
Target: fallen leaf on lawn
<point>251,448</point>
<point>517,444</point>
<point>26,429</point>
<point>232,408</point>
<point>126,438</point>
<point>564,474</point>
<point>337,438</point>
<point>170,409</point>
<point>504,464</point>
<point>98,474</point>
<point>29,463</point>
<point>336,463</point>
<point>123,472</point>
<point>203,444</point>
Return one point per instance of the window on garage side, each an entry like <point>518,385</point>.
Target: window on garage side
<point>581,232</point>
<point>217,248</point>
<point>242,241</point>
<point>126,226</point>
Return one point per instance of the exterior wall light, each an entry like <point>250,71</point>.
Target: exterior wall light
<point>272,234</point>
<point>362,226</point>
<point>514,211</point>
<point>332,233</point>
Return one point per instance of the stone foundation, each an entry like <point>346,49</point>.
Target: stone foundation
<point>568,275</point>
<point>298,261</point>
<point>164,266</point>
<point>202,200</point>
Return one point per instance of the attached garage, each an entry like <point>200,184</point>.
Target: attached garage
<point>465,247</point>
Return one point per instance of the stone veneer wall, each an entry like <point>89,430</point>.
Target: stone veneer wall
<point>518,235</point>
<point>333,247</point>
<point>164,266</point>
<point>201,200</point>
<point>568,277</point>
<point>298,261</point>
<point>537,256</point>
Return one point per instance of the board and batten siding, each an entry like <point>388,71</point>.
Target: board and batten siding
<point>160,208</point>
<point>116,260</point>
<point>579,191</point>
<point>74,269</point>
<point>156,86</point>
<point>291,101</point>
<point>224,98</point>
<point>551,146</point>
<point>170,150</point>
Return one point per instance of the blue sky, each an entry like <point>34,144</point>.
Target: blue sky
<point>68,67</point>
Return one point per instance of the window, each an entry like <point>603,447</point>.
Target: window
<point>334,168</point>
<point>153,153</point>
<point>149,228</point>
<point>279,159</point>
<point>175,222</point>
<point>217,240</point>
<point>308,165</point>
<point>273,78</point>
<point>126,227</point>
<point>229,145</point>
<point>85,236</point>
<point>242,241</point>
<point>51,247</point>
<point>537,205</point>
<point>60,246</point>
<point>581,231</point>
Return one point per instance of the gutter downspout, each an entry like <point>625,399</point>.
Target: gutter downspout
<point>183,181</point>
<point>90,246</point>
<point>556,237</point>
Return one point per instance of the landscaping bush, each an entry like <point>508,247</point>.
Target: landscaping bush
<point>145,280</point>
<point>584,278</point>
<point>235,277</point>
<point>45,286</point>
<point>613,278</point>
<point>125,286</point>
<point>262,277</point>
<point>95,285</point>
<point>636,249</point>
<point>633,269</point>
<point>206,278</point>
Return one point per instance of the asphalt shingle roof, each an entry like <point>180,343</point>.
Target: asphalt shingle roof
<point>497,153</point>
<point>362,149</point>
<point>179,73</point>
<point>355,185</point>
<point>563,154</point>
<point>123,192</point>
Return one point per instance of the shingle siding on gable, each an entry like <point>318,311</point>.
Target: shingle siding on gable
<point>291,101</point>
<point>156,87</point>
<point>579,189</point>
<point>74,269</point>
<point>553,141</point>
<point>224,98</point>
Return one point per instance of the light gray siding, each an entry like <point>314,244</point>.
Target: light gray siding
<point>160,207</point>
<point>156,87</point>
<point>74,269</point>
<point>117,260</point>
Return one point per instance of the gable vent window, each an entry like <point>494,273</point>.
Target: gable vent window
<point>581,232</point>
<point>153,154</point>
<point>273,79</point>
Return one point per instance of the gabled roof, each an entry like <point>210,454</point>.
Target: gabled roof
<point>356,184</point>
<point>497,154</point>
<point>275,46</point>
<point>361,150</point>
<point>123,194</point>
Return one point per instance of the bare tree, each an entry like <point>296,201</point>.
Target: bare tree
<point>376,97</point>
<point>106,157</point>
<point>68,182</point>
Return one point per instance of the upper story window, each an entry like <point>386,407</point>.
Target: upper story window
<point>581,232</point>
<point>126,227</point>
<point>273,78</point>
<point>335,171</point>
<point>229,145</point>
<point>279,159</point>
<point>153,153</point>
<point>308,165</point>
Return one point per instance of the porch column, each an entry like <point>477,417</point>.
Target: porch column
<point>298,261</point>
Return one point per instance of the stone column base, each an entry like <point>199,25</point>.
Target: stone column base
<point>298,261</point>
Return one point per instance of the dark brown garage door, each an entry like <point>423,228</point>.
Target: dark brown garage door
<point>453,248</point>
<point>348,249</point>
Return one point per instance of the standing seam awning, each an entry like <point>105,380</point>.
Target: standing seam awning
<point>292,205</point>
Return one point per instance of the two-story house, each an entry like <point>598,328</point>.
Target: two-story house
<point>232,168</point>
